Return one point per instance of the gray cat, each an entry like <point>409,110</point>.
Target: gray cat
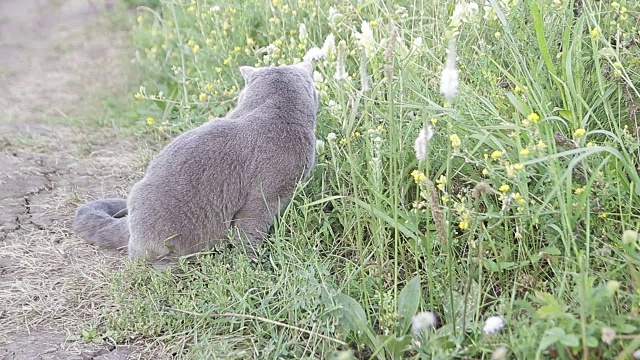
<point>237,171</point>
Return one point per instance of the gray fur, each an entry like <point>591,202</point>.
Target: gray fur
<point>234,171</point>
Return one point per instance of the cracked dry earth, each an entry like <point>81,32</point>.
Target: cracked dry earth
<point>54,54</point>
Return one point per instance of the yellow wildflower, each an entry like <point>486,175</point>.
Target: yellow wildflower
<point>485,172</point>
<point>518,166</point>
<point>579,132</point>
<point>517,197</point>
<point>496,154</point>
<point>137,96</point>
<point>218,70</point>
<point>464,224</point>
<point>525,152</point>
<point>504,188</point>
<point>534,117</point>
<point>250,41</point>
<point>595,32</point>
<point>191,9</point>
<point>579,190</point>
<point>209,87</point>
<point>418,176</point>
<point>149,121</point>
<point>196,48</point>
<point>442,182</point>
<point>455,141</point>
<point>202,97</point>
<point>434,121</point>
<point>540,146</point>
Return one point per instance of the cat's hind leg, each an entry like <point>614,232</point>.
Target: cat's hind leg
<point>253,220</point>
<point>141,248</point>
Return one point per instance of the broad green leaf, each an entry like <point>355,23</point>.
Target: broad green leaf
<point>490,265</point>
<point>408,302</point>
<point>396,346</point>
<point>570,340</point>
<point>353,314</point>
<point>551,336</point>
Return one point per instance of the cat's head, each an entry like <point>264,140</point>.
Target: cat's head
<point>289,83</point>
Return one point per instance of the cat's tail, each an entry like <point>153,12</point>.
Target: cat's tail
<point>103,222</point>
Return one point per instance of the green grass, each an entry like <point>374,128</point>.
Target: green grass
<point>534,199</point>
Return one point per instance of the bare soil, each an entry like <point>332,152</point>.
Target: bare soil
<point>54,54</point>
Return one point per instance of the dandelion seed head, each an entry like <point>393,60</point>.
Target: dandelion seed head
<point>493,324</point>
<point>499,353</point>
<point>607,335</point>
<point>422,320</point>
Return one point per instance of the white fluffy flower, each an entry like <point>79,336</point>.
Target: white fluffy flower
<point>365,39</point>
<point>271,48</point>
<point>341,71</point>
<point>607,335</point>
<point>493,324</point>
<point>319,146</point>
<point>422,141</point>
<point>636,354</point>
<point>317,77</point>
<point>449,80</point>
<point>464,12</point>
<point>214,8</point>
<point>329,46</point>
<point>334,16</point>
<point>302,32</point>
<point>314,54</point>
<point>417,43</point>
<point>422,320</point>
<point>331,136</point>
<point>499,353</point>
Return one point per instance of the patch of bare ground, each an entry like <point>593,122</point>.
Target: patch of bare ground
<point>55,54</point>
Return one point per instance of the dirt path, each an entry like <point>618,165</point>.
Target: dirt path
<point>53,55</point>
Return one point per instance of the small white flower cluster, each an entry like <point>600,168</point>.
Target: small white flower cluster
<point>315,53</point>
<point>506,7</point>
<point>366,40</point>
<point>464,12</point>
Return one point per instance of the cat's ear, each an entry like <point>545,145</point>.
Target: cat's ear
<point>305,66</point>
<point>248,72</point>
